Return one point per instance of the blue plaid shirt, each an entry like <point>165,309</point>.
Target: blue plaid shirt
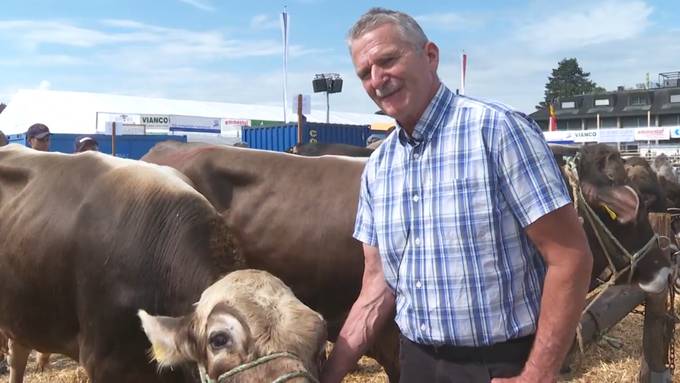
<point>447,208</point>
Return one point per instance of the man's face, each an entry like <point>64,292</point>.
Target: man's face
<point>399,77</point>
<point>41,144</point>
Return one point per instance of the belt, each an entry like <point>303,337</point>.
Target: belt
<point>513,350</point>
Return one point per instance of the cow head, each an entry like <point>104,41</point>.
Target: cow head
<point>643,178</point>
<point>241,321</point>
<point>617,205</point>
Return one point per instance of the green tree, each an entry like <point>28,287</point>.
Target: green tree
<point>568,79</point>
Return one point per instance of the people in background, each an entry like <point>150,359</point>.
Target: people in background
<point>85,143</point>
<point>38,137</point>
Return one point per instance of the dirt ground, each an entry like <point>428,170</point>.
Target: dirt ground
<point>604,361</point>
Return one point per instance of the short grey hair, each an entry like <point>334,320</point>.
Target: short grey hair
<point>376,17</point>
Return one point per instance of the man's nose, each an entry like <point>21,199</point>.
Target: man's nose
<point>378,77</point>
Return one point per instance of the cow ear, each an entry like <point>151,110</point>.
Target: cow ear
<point>165,335</point>
<point>621,202</point>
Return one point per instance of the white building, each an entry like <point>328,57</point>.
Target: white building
<point>90,113</point>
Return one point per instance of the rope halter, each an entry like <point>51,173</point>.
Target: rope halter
<point>587,212</point>
<point>258,362</point>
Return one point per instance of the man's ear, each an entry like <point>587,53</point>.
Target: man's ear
<point>432,52</point>
<point>165,334</point>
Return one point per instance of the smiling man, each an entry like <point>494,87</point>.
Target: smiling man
<point>468,229</point>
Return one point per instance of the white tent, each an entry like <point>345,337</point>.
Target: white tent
<point>86,113</point>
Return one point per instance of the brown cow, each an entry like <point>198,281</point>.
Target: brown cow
<point>315,149</point>
<point>88,240</point>
<point>608,191</point>
<point>294,216</point>
<point>247,317</point>
<point>641,174</point>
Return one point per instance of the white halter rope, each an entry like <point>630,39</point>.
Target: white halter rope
<point>587,212</point>
<point>258,362</point>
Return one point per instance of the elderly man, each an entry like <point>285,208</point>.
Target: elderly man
<point>38,136</point>
<point>468,229</point>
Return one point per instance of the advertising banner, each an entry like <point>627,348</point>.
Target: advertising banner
<point>652,134</point>
<point>617,135</point>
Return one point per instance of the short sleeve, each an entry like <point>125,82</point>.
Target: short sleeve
<point>364,226</point>
<point>530,179</point>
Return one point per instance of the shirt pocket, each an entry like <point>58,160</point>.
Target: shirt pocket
<point>466,213</point>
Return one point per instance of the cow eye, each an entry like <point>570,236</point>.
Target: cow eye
<point>219,340</point>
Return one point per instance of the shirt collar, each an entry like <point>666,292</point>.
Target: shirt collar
<point>429,120</point>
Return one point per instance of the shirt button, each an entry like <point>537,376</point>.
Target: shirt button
<point>416,155</point>
<point>416,198</point>
<point>418,284</point>
<point>417,241</point>
<point>423,327</point>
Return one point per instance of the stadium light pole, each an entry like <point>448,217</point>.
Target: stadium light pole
<point>329,83</point>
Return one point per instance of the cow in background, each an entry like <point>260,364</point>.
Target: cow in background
<point>90,239</point>
<point>315,149</point>
<point>294,217</point>
<point>243,317</point>
<point>608,191</point>
<point>663,167</point>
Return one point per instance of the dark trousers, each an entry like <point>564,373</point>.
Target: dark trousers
<point>451,364</point>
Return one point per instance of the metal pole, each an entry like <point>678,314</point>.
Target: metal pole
<point>328,109</point>
<point>299,113</point>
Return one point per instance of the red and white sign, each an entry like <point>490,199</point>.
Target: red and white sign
<point>652,134</point>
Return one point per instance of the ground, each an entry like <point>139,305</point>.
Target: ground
<point>604,361</point>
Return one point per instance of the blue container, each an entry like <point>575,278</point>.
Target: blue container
<point>127,146</point>
<point>280,138</point>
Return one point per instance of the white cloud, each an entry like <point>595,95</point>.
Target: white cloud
<point>199,4</point>
<point>44,85</point>
<point>450,21</point>
<point>264,21</point>
<point>600,23</point>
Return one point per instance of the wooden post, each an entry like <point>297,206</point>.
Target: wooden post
<point>299,113</point>
<point>113,138</point>
<point>657,326</point>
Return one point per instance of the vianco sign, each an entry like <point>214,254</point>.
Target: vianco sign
<point>155,121</point>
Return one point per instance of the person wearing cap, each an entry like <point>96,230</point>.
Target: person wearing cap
<point>86,143</point>
<point>38,136</point>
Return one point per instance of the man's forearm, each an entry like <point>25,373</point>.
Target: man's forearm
<point>367,316</point>
<point>562,302</point>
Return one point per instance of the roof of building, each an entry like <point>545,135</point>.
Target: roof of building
<point>620,104</point>
<point>81,112</point>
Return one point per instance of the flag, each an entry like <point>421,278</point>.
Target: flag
<point>463,69</point>
<point>284,29</point>
<point>552,125</point>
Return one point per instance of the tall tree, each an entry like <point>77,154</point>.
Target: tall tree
<point>568,79</point>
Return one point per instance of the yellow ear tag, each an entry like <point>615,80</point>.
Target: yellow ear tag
<point>609,211</point>
<point>159,353</point>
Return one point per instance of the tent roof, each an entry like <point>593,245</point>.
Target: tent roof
<point>77,112</point>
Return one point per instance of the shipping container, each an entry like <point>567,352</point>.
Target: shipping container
<point>280,138</point>
<point>127,146</point>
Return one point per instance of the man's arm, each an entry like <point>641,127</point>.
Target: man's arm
<point>374,306</point>
<point>563,244</point>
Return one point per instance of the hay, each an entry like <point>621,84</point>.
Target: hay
<point>602,361</point>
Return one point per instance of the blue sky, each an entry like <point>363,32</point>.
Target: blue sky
<point>231,50</point>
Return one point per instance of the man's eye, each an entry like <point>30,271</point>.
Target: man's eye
<point>219,340</point>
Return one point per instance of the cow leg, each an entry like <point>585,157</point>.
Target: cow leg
<point>18,357</point>
<point>43,360</point>
<point>385,350</point>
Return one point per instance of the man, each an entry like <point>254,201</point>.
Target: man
<point>38,136</point>
<point>468,229</point>
<point>85,143</point>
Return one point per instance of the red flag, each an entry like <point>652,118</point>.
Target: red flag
<point>552,125</point>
